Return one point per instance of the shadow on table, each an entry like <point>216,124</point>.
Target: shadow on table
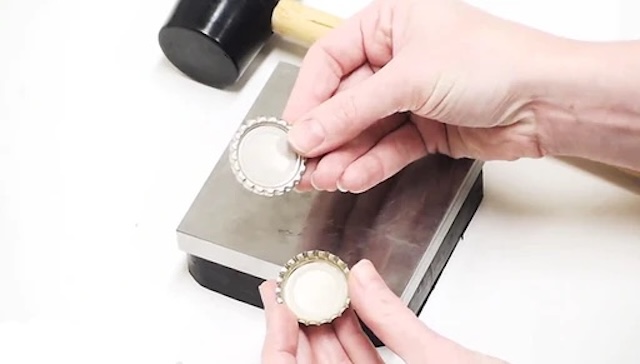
<point>629,181</point>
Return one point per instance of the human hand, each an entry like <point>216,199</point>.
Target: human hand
<point>404,78</point>
<point>343,341</point>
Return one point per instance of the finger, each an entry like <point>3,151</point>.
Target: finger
<point>332,166</point>
<point>390,155</point>
<point>386,315</point>
<point>433,133</point>
<point>325,64</point>
<point>281,341</point>
<point>398,327</point>
<point>305,182</point>
<point>325,345</point>
<point>305,355</point>
<point>356,76</point>
<point>353,339</point>
<point>346,114</point>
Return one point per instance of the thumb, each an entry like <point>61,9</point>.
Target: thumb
<point>346,114</point>
<point>395,324</point>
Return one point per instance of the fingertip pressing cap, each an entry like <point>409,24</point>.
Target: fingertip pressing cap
<point>262,159</point>
<point>314,285</point>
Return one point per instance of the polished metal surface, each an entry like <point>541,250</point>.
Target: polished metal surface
<point>399,225</point>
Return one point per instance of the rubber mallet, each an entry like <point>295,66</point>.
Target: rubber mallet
<point>213,41</point>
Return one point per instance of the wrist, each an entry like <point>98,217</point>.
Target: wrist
<point>584,100</point>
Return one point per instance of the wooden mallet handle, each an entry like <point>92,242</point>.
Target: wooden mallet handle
<point>301,24</point>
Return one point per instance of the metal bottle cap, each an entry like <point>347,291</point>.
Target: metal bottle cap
<point>314,285</point>
<point>262,159</point>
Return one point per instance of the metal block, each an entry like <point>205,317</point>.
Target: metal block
<point>407,226</point>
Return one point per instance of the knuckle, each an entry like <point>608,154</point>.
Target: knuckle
<point>386,312</point>
<point>341,116</point>
<point>348,108</point>
<point>377,169</point>
<point>321,50</point>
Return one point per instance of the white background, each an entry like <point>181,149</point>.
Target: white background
<point>103,146</point>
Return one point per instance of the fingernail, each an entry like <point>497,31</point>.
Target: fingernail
<point>340,188</point>
<point>262,289</point>
<point>312,180</point>
<point>356,177</point>
<point>306,136</point>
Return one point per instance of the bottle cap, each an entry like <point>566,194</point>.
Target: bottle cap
<point>262,159</point>
<point>314,285</point>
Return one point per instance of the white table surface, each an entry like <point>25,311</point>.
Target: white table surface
<point>103,147</point>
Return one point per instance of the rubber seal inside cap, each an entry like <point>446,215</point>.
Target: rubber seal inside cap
<point>262,159</point>
<point>314,285</point>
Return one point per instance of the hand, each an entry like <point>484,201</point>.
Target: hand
<point>404,78</point>
<point>343,341</point>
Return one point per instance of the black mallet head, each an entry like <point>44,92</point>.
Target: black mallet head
<point>213,41</point>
